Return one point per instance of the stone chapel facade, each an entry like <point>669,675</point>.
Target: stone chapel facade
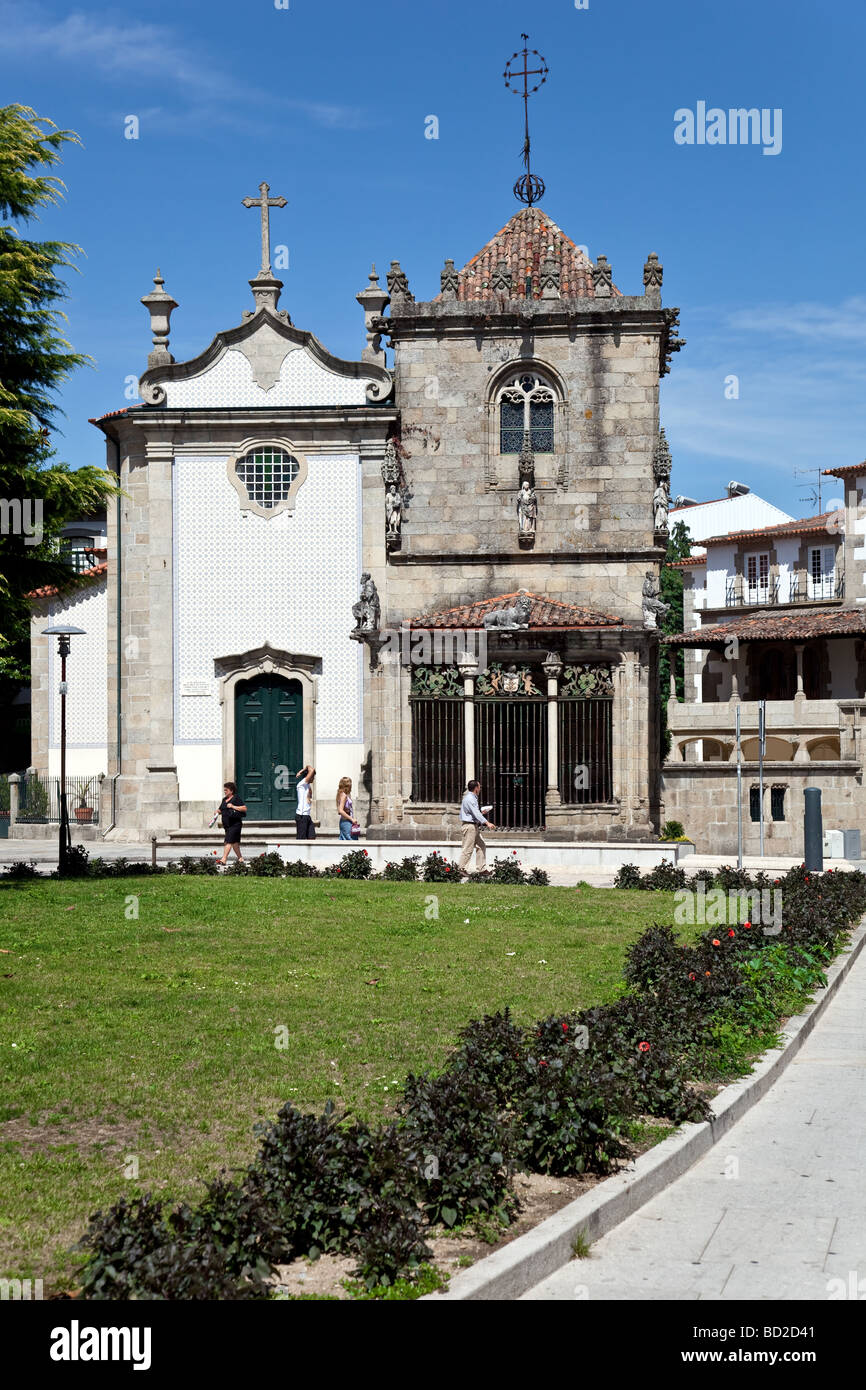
<point>491,493</point>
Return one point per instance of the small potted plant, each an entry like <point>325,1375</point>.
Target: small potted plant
<point>83,811</point>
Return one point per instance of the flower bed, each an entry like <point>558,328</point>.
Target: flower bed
<point>355,864</point>
<point>564,1096</point>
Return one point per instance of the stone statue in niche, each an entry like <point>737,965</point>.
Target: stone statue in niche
<point>654,606</point>
<point>366,610</point>
<point>527,513</point>
<point>661,500</point>
<point>393,513</point>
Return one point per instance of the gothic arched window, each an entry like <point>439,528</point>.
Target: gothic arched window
<point>526,407</point>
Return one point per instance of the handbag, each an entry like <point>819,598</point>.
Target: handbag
<point>355,832</point>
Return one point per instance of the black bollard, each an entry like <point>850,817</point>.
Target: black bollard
<point>813,833</point>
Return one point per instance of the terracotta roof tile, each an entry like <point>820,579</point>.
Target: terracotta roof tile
<point>50,591</point>
<point>784,528</point>
<point>687,562</point>
<point>544,613</point>
<point>848,471</point>
<point>776,627</point>
<point>523,244</point>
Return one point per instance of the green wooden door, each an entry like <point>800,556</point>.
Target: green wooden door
<point>269,746</point>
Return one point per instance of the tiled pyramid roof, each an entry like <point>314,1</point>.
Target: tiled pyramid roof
<point>544,612</point>
<point>523,243</point>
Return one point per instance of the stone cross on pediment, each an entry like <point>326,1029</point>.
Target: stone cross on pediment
<point>265,204</point>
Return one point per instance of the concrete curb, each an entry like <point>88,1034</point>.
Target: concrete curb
<point>540,1252</point>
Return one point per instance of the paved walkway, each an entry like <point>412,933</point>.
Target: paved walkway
<point>792,1215</point>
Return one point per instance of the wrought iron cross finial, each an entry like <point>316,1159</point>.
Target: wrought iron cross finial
<point>529,188</point>
<point>265,203</point>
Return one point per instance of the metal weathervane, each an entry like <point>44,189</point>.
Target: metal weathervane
<point>529,188</point>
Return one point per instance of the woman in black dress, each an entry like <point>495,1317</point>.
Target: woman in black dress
<point>232,812</point>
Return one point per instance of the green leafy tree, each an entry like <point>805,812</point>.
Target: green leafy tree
<point>679,548</point>
<point>38,495</point>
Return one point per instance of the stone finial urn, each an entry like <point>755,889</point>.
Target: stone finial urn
<point>159,305</point>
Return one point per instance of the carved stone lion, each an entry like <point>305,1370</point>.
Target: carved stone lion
<point>516,616</point>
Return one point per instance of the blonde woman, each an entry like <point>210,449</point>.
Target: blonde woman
<point>345,809</point>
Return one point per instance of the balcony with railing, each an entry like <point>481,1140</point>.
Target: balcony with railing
<point>801,588</point>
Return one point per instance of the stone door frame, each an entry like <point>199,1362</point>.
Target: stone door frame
<point>267,661</point>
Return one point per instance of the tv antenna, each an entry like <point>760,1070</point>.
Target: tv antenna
<point>529,188</point>
<point>814,494</point>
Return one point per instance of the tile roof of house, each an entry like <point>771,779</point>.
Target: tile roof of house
<point>848,471</point>
<point>110,414</point>
<point>544,612</point>
<point>523,243</point>
<point>776,627</point>
<point>85,577</point>
<point>688,561</point>
<point>787,528</point>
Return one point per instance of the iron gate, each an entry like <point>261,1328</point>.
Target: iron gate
<point>586,751</point>
<point>437,749</point>
<point>511,760</point>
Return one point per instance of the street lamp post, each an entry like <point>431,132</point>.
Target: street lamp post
<point>63,632</point>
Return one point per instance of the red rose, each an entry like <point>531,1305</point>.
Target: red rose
<point>447,870</point>
<point>732,932</point>
<point>716,941</point>
<point>692,975</point>
<point>747,926</point>
<point>643,1047</point>
<point>542,1063</point>
<point>565,1027</point>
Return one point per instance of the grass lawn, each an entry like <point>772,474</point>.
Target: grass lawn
<point>153,1041</point>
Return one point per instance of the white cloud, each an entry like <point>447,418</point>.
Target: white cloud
<point>156,57</point>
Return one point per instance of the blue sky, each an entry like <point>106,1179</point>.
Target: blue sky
<point>327,102</point>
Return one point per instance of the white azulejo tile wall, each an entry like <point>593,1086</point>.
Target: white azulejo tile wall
<point>242,580</point>
<point>86,673</point>
<point>302,381</point>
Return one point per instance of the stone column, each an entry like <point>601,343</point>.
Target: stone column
<point>468,670</point>
<point>552,669</point>
<point>799,648</point>
<point>14,793</point>
<point>735,679</point>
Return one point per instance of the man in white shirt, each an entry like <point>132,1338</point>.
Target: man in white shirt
<point>303,817</point>
<point>473,822</point>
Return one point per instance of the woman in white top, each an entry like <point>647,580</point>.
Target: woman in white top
<point>303,817</point>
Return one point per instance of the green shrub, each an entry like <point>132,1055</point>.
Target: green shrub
<point>356,864</point>
<point>267,865</point>
<point>491,1053</point>
<point>627,876</point>
<point>664,878</point>
<point>300,868</point>
<point>456,1122</point>
<point>539,878</point>
<point>508,870</point>
<point>21,869</point>
<point>406,871</point>
<point>437,869</point>
<point>192,864</point>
